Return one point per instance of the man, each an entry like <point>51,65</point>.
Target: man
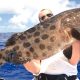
<point>62,66</point>
<point>45,14</point>
<point>34,65</point>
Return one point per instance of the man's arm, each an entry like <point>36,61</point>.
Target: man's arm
<point>33,66</point>
<point>75,53</point>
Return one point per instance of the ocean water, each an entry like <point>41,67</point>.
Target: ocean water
<point>78,67</point>
<point>11,71</point>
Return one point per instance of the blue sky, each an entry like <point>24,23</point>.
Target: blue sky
<point>20,15</point>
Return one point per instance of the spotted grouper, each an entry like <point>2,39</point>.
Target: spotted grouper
<point>44,39</point>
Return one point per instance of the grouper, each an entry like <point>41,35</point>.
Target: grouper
<point>43,39</point>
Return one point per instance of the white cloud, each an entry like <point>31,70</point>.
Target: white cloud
<point>27,10</point>
<point>0,19</point>
<point>18,6</point>
<point>11,5</point>
<point>22,17</point>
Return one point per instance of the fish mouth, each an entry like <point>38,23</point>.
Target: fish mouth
<point>2,60</point>
<point>15,58</point>
<point>6,56</point>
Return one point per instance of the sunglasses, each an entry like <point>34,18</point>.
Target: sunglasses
<point>48,15</point>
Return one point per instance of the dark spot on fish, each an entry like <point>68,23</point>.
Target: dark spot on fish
<point>19,53</point>
<point>35,56</point>
<point>28,54</point>
<point>0,56</point>
<point>22,37</point>
<point>38,27</point>
<point>59,44</point>
<point>45,36</point>
<point>29,36</point>
<point>31,30</point>
<point>26,44</point>
<point>31,49</point>
<point>44,54</point>
<point>52,27</point>
<point>16,48</point>
<point>52,39</point>
<point>46,25</point>
<point>36,34</point>
<point>42,46</point>
<point>49,47</point>
<point>37,40</point>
